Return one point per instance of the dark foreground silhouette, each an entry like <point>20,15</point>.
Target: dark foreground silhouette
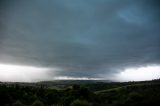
<point>146,93</point>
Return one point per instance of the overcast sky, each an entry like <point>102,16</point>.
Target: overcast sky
<point>80,38</point>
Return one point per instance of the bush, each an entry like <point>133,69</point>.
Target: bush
<point>37,103</point>
<point>79,103</point>
<point>135,96</point>
<point>17,103</point>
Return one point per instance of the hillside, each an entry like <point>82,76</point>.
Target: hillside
<point>64,93</point>
<point>140,94</point>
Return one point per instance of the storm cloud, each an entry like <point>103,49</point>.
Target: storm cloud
<point>81,38</point>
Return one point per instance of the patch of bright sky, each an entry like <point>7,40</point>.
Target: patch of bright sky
<point>74,78</point>
<point>17,73</point>
<point>139,73</point>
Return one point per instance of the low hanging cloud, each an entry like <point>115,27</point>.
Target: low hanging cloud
<point>82,38</point>
<point>15,73</point>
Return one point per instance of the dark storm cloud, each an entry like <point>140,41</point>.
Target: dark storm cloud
<point>81,37</point>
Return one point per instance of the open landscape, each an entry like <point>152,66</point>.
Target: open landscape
<point>79,52</point>
<point>86,93</point>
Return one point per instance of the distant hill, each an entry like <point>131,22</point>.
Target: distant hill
<point>66,82</point>
<point>144,93</point>
<point>94,92</point>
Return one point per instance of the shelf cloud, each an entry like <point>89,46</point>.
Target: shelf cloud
<point>82,38</point>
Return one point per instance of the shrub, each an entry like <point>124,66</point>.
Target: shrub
<point>17,103</point>
<point>37,103</point>
<point>79,103</point>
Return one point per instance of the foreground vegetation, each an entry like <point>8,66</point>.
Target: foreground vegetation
<point>94,94</point>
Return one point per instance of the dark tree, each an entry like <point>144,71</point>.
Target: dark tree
<point>80,103</point>
<point>37,103</point>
